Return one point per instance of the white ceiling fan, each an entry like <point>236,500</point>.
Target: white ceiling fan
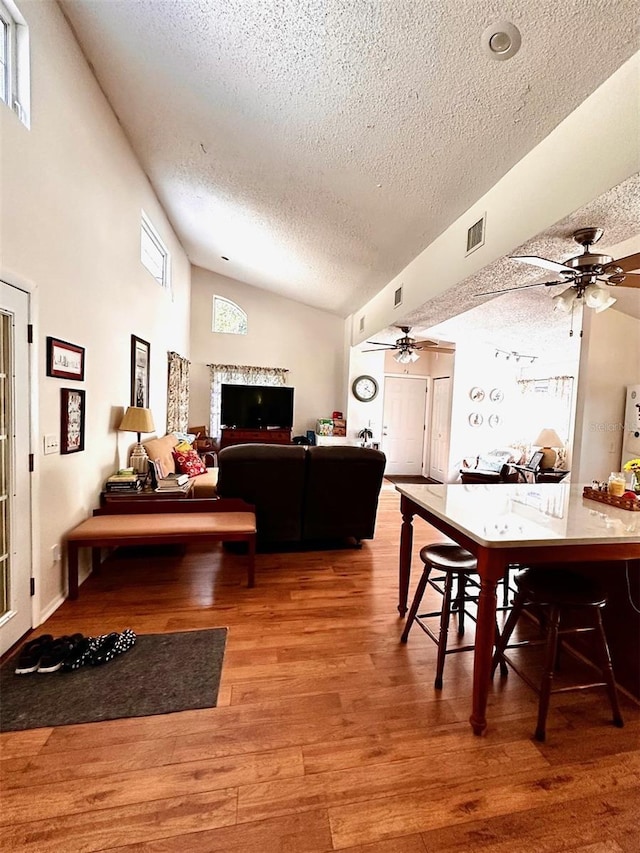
<point>585,274</point>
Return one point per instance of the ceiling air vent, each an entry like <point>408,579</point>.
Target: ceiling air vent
<point>362,323</point>
<point>475,235</point>
<point>397,297</point>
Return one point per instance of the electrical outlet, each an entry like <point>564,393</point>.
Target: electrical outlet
<point>55,553</point>
<point>51,444</point>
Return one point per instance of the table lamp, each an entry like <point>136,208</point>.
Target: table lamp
<point>546,441</point>
<point>138,420</point>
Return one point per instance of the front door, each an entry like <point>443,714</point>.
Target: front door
<point>15,498</point>
<point>440,423</point>
<point>403,431</point>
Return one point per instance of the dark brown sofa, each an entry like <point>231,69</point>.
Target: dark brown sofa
<point>305,494</point>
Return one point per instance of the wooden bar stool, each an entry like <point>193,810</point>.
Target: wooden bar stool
<point>454,563</point>
<point>555,592</point>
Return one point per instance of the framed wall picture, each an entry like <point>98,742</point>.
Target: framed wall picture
<point>65,360</point>
<point>72,419</point>
<point>140,360</point>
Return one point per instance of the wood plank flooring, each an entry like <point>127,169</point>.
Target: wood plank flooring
<point>328,733</point>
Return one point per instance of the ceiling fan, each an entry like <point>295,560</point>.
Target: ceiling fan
<point>584,273</point>
<point>406,346</point>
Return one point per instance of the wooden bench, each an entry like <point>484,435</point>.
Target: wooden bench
<point>162,523</point>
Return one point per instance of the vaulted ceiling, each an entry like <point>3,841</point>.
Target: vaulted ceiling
<point>320,145</point>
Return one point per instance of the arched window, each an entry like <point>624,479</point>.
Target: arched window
<point>228,318</point>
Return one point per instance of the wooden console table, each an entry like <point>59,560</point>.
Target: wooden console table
<point>231,436</point>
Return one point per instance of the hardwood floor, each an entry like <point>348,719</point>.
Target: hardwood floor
<point>328,733</point>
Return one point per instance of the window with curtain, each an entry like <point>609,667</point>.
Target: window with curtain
<point>236,374</point>
<point>546,402</point>
<point>178,393</point>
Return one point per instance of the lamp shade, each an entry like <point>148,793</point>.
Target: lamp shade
<point>137,419</point>
<point>598,298</point>
<point>564,301</point>
<point>406,356</point>
<point>547,440</point>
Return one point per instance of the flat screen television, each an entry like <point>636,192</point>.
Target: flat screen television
<point>256,406</point>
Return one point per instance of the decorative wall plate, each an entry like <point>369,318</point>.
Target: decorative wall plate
<point>476,394</point>
<point>475,419</point>
<point>494,420</point>
<point>497,395</point>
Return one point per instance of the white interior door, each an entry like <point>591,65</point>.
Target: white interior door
<point>403,431</point>
<point>15,499</point>
<point>440,423</point>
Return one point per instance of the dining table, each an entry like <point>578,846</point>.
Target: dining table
<point>519,524</point>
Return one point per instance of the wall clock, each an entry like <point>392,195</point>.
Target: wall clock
<point>365,388</point>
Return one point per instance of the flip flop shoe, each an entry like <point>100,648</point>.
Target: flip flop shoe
<point>112,645</point>
<point>81,653</point>
<point>31,654</point>
<point>54,657</point>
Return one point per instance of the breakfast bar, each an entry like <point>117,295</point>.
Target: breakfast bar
<point>506,524</point>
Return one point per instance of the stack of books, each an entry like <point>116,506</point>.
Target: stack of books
<point>173,483</point>
<point>126,480</point>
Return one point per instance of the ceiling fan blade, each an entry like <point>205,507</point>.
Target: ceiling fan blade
<point>377,350</point>
<point>522,287</point>
<point>629,263</point>
<point>630,280</point>
<point>380,343</point>
<point>544,263</point>
<point>425,344</point>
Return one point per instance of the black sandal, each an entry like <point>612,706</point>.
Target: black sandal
<point>112,645</point>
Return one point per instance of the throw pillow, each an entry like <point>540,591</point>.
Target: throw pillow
<point>188,462</point>
<point>182,446</point>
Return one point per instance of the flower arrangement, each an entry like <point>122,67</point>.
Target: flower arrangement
<point>633,465</point>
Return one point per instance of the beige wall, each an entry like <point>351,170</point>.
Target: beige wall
<point>72,193</point>
<point>610,361</point>
<point>281,333</point>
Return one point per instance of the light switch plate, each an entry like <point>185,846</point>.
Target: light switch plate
<point>51,444</point>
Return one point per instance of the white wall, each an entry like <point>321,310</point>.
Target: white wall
<point>610,361</point>
<point>281,333</point>
<point>72,192</point>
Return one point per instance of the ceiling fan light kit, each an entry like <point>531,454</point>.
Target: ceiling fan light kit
<point>406,356</point>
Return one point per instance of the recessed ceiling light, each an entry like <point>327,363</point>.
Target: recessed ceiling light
<point>501,40</point>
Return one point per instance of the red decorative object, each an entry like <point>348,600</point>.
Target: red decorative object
<point>188,462</point>
<point>336,415</point>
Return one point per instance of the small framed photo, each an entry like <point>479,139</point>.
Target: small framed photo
<point>65,360</point>
<point>72,419</point>
<point>140,359</point>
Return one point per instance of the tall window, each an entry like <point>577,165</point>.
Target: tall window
<point>228,318</point>
<point>14,61</point>
<point>237,374</point>
<point>154,254</point>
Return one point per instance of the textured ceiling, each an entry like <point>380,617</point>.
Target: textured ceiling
<point>529,312</point>
<point>322,144</point>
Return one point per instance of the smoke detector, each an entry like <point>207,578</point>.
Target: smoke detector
<point>501,40</point>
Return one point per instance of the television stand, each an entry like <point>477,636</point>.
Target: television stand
<point>230,436</point>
